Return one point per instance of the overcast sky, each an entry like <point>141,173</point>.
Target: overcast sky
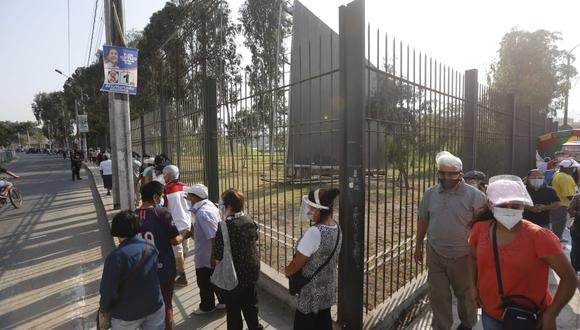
<point>464,34</point>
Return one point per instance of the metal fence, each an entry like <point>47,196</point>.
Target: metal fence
<point>368,116</point>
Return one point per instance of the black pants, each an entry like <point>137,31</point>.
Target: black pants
<point>76,172</point>
<point>320,321</point>
<point>242,300</point>
<point>206,289</point>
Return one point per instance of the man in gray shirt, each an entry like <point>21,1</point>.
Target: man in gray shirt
<point>445,216</point>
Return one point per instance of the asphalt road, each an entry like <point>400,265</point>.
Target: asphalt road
<point>51,248</point>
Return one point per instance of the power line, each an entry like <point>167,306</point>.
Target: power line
<point>92,32</point>
<point>68,28</point>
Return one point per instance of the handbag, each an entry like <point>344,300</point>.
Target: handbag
<point>516,316</point>
<point>104,318</point>
<point>224,274</point>
<point>297,280</point>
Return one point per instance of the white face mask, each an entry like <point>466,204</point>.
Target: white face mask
<point>508,217</point>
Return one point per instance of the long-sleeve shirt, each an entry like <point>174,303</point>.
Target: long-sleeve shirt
<point>130,293</point>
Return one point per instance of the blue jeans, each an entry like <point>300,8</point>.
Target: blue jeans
<point>489,323</point>
<point>574,253</point>
<point>155,321</point>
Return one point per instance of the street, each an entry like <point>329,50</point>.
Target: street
<point>52,248</point>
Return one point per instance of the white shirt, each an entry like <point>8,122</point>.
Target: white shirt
<point>207,218</point>
<point>107,167</point>
<point>310,241</point>
<point>159,178</point>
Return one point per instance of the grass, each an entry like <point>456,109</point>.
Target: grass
<point>391,211</point>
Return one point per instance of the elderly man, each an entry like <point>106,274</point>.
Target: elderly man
<point>544,198</point>
<point>179,209</point>
<point>445,216</point>
<point>207,218</point>
<point>565,186</point>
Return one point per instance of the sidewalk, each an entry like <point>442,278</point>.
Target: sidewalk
<point>568,319</point>
<point>273,314</point>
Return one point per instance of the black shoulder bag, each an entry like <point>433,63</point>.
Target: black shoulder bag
<point>297,280</point>
<point>515,316</point>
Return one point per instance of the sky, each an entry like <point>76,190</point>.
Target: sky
<point>464,34</point>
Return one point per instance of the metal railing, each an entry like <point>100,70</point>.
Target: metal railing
<point>277,142</point>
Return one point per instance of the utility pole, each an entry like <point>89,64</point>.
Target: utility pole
<point>569,86</point>
<point>119,117</point>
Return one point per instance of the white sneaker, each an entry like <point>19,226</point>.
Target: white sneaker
<point>199,311</point>
<point>220,306</point>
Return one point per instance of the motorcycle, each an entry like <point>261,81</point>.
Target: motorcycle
<point>10,193</point>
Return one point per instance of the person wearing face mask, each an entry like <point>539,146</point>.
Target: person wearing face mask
<point>446,213</point>
<point>243,237</point>
<point>476,179</point>
<point>207,218</point>
<point>179,209</point>
<point>544,198</point>
<point>317,258</point>
<point>526,252</point>
<point>565,186</point>
<point>158,228</point>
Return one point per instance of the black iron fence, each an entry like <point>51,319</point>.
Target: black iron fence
<point>362,111</point>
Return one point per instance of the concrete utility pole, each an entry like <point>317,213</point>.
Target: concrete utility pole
<point>568,90</point>
<point>119,117</point>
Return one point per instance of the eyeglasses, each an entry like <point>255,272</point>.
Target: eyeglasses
<point>451,175</point>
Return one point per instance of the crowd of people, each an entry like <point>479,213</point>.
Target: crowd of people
<point>493,243</point>
<point>168,215</point>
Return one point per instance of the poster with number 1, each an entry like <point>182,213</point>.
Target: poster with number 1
<point>120,65</point>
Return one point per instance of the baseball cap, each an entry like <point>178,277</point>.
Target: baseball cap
<point>569,163</point>
<point>198,190</point>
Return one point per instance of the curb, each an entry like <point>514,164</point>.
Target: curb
<point>102,214</point>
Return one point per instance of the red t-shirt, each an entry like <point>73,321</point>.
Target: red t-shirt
<point>523,270</point>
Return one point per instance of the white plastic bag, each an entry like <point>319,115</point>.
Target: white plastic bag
<point>224,275</point>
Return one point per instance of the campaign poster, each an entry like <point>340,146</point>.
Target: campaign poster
<point>120,65</point>
<point>83,124</point>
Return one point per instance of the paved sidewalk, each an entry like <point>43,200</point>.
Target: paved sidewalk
<point>52,249</point>
<point>569,318</point>
<point>273,314</point>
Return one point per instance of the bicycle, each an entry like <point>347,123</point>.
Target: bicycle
<point>10,193</point>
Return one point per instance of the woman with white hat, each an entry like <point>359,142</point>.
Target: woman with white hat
<point>516,294</point>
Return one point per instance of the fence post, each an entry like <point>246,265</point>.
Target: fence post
<point>142,131</point>
<point>163,118</point>
<point>211,139</point>
<point>532,147</point>
<point>469,150</point>
<point>352,166</point>
<point>511,110</point>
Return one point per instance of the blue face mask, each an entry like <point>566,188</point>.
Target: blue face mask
<point>536,183</point>
<point>160,204</point>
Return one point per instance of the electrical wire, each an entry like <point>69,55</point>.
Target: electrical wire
<point>92,32</point>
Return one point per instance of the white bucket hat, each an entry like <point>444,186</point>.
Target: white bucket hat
<point>504,189</point>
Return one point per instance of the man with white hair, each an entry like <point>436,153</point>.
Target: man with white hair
<point>446,213</point>
<point>179,209</point>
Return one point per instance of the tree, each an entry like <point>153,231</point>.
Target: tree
<point>531,66</point>
<point>265,23</point>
